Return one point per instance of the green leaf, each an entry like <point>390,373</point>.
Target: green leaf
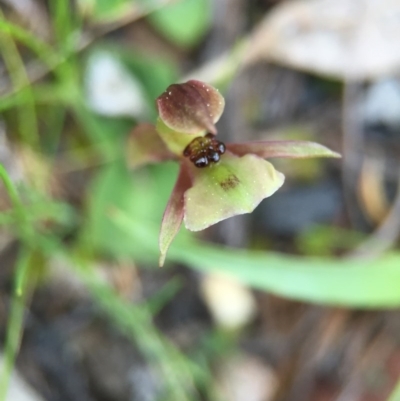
<point>361,284</point>
<point>112,188</point>
<point>142,195</point>
<point>369,284</point>
<point>106,134</point>
<point>184,22</point>
<point>155,73</point>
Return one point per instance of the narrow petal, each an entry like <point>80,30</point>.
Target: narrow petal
<point>192,107</point>
<point>145,146</point>
<point>285,149</point>
<point>233,186</point>
<point>173,214</point>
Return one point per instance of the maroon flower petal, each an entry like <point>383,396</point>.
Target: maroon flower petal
<point>191,107</point>
<point>285,149</point>
<point>173,214</point>
<point>145,146</point>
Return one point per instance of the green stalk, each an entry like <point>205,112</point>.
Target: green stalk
<point>15,322</point>
<point>15,66</point>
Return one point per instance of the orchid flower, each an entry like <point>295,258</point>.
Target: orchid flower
<point>216,180</point>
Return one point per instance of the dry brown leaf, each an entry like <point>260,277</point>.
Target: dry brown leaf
<point>345,39</point>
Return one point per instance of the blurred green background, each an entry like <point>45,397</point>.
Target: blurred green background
<point>297,301</point>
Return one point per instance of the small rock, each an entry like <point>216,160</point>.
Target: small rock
<point>231,304</point>
<point>247,378</point>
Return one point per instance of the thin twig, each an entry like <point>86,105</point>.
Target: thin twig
<point>384,236</point>
<point>352,144</point>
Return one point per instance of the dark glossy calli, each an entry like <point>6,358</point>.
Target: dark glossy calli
<point>204,150</point>
<point>216,180</point>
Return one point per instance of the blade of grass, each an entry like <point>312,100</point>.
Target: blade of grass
<point>10,100</point>
<point>12,193</point>
<point>15,66</point>
<point>49,56</point>
<point>61,13</point>
<point>69,44</point>
<point>15,323</point>
<point>40,48</point>
<point>23,279</point>
<point>23,226</point>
